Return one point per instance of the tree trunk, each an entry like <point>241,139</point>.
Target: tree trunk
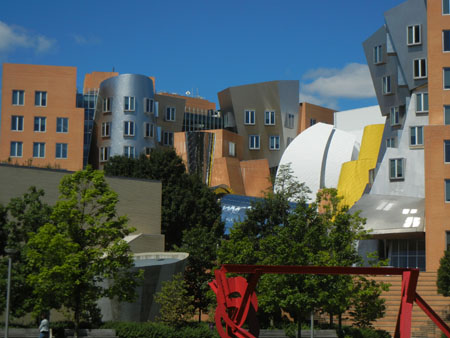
<point>199,315</point>
<point>340,322</point>
<point>299,325</point>
<point>331,319</point>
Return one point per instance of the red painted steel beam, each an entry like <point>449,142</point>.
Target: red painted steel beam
<point>432,315</point>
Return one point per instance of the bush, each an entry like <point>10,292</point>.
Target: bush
<point>353,332</point>
<point>157,330</point>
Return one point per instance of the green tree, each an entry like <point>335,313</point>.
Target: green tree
<point>176,303</point>
<point>443,278</point>
<point>80,255</point>
<point>22,216</point>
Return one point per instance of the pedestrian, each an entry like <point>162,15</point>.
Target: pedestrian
<point>44,327</point>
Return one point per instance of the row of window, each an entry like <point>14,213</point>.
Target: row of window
<point>130,105</point>
<point>40,124</point>
<point>269,118</point>
<point>254,142</point>
<point>18,98</point>
<point>16,150</point>
<point>129,129</point>
<point>415,140</point>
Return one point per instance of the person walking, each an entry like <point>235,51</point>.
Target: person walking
<point>44,327</point>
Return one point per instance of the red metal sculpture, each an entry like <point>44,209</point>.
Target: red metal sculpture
<point>237,302</point>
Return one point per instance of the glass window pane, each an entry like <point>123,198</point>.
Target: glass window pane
<point>447,150</point>
<point>447,78</point>
<point>447,190</point>
<point>399,168</point>
<point>410,35</point>
<point>419,102</point>
<point>419,135</point>
<point>445,7</point>
<point>413,136</point>
<point>446,40</point>
<point>425,101</point>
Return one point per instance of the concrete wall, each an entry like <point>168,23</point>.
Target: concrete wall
<point>140,200</point>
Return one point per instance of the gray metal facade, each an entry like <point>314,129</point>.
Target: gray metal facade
<point>118,88</point>
<point>282,97</point>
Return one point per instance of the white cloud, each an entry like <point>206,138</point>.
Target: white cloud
<point>351,82</point>
<point>328,102</point>
<point>82,40</point>
<point>12,37</point>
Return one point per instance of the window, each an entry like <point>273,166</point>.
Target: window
<point>420,68</point>
<point>446,41</point>
<point>249,117</point>
<point>18,97</point>
<point>413,35</point>
<point>61,150</point>
<point>40,99</point>
<point>274,143</point>
<point>104,154</point>
<point>253,142</point>
<point>39,149</point>
<point>106,129</point>
<point>446,78</point>
<point>129,103</point>
<point>128,128</point>
<point>269,118</point>
<point>377,54</point>
<point>290,121</point>
<point>447,151</point>
<point>387,85</point>
<point>231,149</point>
<point>396,169</point>
<point>148,151</point>
<point>148,129</point>
<point>168,138</point>
<point>17,123</point>
<point>62,124</point>
<point>107,104</point>
<point>312,122</point>
<point>407,253</point>
<point>447,240</point>
<point>390,142</point>
<point>445,7</point>
<point>416,136</point>
<point>447,190</point>
<point>422,103</point>
<point>148,105</point>
<point>39,123</point>
<point>129,152</point>
<point>447,115</point>
<point>16,149</point>
<point>394,116</point>
<point>170,113</point>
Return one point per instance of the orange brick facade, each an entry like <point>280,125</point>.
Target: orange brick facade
<point>58,147</point>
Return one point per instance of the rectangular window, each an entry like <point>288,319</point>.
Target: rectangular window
<point>413,35</point>
<point>129,151</point>
<point>446,78</point>
<point>148,129</point>
<point>269,118</point>
<point>148,105</point>
<point>312,122</point>
<point>394,116</point>
<point>106,129</point>
<point>396,166</point>
<point>107,104</point>
<point>390,142</point>
<point>61,150</point>
<point>420,68</point>
<point>168,138</point>
<point>40,124</point>
<point>18,97</point>
<point>290,121</point>
<point>16,149</point>
<point>62,125</point>
<point>253,142</point>
<point>128,128</point>
<point>422,103</point>
<point>249,117</point>
<point>447,190</point>
<point>416,136</point>
<point>387,85</point>
<point>447,151</point>
<point>445,7</point>
<point>170,113</point>
<point>104,154</point>
<point>40,99</point>
<point>274,142</point>
<point>231,149</point>
<point>447,115</point>
<point>17,123</point>
<point>129,103</point>
<point>38,149</point>
<point>446,41</point>
<point>377,54</point>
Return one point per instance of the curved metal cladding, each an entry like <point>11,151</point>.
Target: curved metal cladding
<point>118,90</point>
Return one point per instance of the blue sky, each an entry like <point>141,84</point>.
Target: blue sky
<point>204,46</point>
